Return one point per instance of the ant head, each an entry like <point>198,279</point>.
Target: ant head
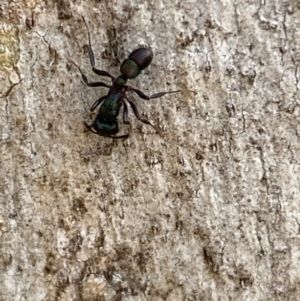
<point>137,61</point>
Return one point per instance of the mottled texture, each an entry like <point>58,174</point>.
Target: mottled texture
<point>207,211</point>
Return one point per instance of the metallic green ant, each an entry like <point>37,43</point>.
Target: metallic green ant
<point>106,121</point>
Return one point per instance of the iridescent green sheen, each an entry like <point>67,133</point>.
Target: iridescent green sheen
<point>106,129</point>
<point>130,69</point>
<point>110,108</point>
<point>120,81</point>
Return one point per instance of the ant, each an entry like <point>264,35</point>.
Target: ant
<point>106,121</point>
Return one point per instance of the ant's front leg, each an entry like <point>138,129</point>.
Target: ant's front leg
<point>84,78</point>
<point>92,57</point>
<point>146,97</point>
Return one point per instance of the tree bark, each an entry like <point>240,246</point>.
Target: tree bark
<point>209,210</point>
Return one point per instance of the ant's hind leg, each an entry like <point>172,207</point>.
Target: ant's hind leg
<point>120,137</point>
<point>137,115</point>
<point>90,128</point>
<point>125,113</point>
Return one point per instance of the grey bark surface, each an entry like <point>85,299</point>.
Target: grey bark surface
<point>207,211</point>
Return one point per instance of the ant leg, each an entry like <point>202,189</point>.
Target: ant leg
<point>125,113</point>
<point>119,137</point>
<point>137,115</point>
<point>146,97</point>
<point>92,57</point>
<point>97,103</point>
<point>84,78</point>
<point>90,128</point>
